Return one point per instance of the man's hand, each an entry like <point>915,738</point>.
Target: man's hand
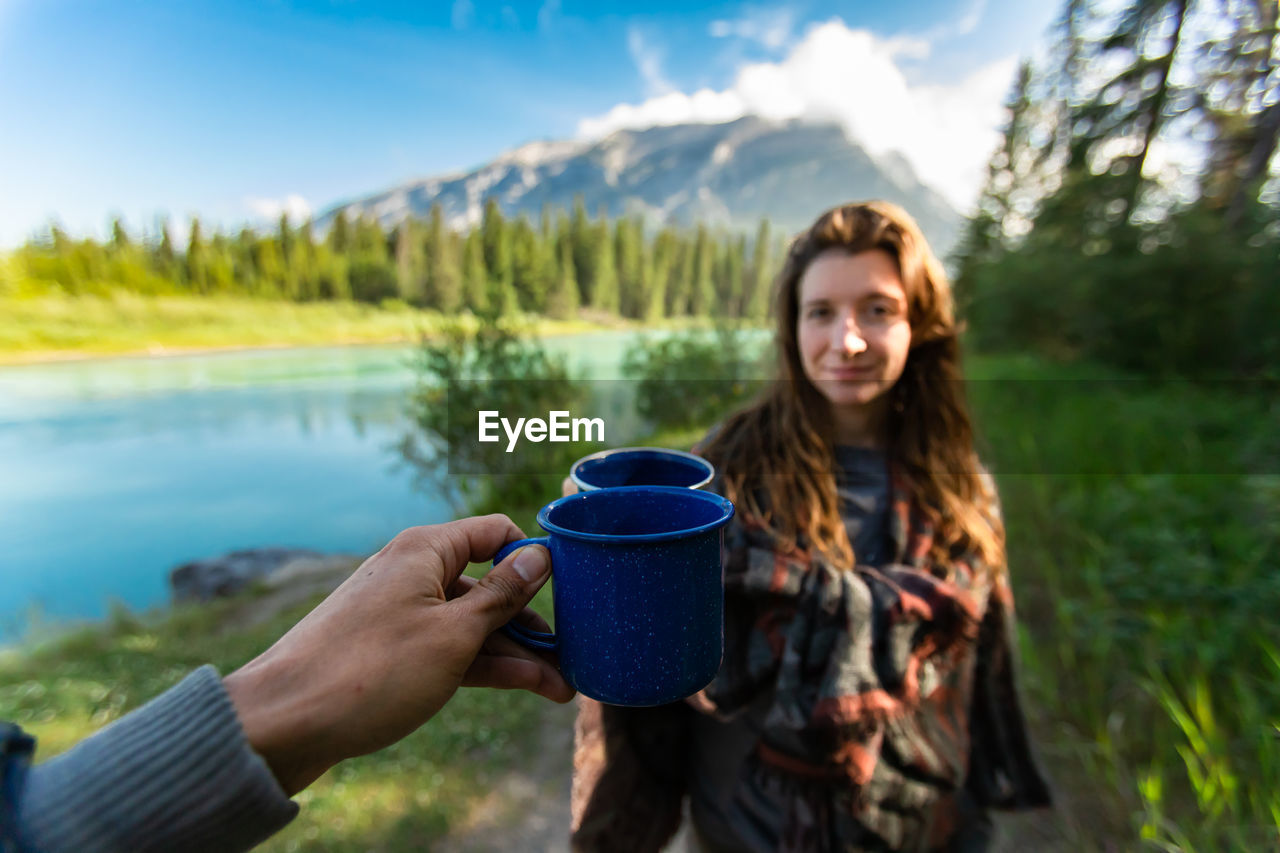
<point>389,647</point>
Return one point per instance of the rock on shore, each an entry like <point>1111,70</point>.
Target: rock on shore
<point>221,577</point>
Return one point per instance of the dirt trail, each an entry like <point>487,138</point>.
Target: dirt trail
<point>528,809</point>
<point>528,806</point>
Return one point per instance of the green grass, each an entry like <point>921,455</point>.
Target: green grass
<point>47,327</point>
<point>1143,543</point>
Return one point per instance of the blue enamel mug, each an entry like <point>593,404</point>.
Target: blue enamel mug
<point>641,466</point>
<point>638,591</point>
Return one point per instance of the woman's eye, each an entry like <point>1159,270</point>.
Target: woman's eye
<point>817,312</point>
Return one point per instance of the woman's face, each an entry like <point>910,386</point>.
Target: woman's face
<point>852,328</point>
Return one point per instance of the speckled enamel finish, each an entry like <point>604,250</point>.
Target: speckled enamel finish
<point>638,591</point>
<point>641,466</point>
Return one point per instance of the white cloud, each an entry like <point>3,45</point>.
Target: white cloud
<point>945,131</point>
<point>909,47</point>
<point>672,108</point>
<point>922,43</point>
<point>769,27</point>
<point>270,208</point>
<point>649,61</point>
<point>970,21</point>
<point>462,14</point>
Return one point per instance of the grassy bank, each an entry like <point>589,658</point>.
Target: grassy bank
<point>51,327</point>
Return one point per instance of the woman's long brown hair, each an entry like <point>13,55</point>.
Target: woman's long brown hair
<point>775,456</point>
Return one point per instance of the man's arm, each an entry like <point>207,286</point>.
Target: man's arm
<point>211,763</point>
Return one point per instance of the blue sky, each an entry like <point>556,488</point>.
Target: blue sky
<point>234,110</point>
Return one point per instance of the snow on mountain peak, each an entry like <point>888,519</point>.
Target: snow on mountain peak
<point>541,152</point>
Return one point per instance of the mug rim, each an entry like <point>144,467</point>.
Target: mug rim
<point>725,505</point>
<point>602,454</point>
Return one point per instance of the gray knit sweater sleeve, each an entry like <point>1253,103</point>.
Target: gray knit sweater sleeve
<point>175,774</point>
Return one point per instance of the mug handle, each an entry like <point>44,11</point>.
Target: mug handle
<point>525,636</point>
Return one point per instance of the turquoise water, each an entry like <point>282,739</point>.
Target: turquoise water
<point>114,471</point>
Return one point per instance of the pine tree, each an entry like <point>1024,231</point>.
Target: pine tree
<point>545,233</point>
<point>269,266</point>
<point>292,281</point>
<point>604,295</point>
<point>582,243</point>
<point>501,298</point>
<point>645,304</point>
<point>242,266</point>
<point>304,262</point>
<point>369,240</point>
<point>702,292</point>
<point>1063,91</point>
<point>286,235</point>
<point>633,296</point>
<point>562,298</point>
<point>546,266</point>
<point>122,263</point>
<point>332,275</point>
<point>340,233</point>
<point>475,278</point>
<point>1243,123</point>
<point>761,276</point>
<point>1134,105</point>
<point>984,233</point>
<point>496,239</point>
<point>681,280</point>
<point>196,263</point>
<point>119,237</point>
<point>723,301</point>
<point>411,263</point>
<point>444,280</point>
<point>221,271</point>
<point>661,264</point>
<point>164,257</point>
<point>528,268</point>
<point>736,252</point>
<point>65,271</point>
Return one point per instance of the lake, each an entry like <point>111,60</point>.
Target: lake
<point>114,471</point>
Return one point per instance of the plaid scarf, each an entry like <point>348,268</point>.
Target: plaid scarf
<point>892,689</point>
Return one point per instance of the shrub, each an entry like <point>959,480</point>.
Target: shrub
<point>496,367</point>
<point>691,378</point>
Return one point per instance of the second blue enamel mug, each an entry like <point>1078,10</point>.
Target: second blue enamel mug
<point>638,591</point>
<point>641,466</point>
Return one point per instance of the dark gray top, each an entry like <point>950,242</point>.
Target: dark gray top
<point>731,812</point>
<point>862,482</point>
<point>175,774</point>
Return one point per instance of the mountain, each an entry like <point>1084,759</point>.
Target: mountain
<point>731,174</point>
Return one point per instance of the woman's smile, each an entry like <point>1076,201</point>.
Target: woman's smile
<point>851,373</point>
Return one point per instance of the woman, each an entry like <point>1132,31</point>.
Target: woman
<point>867,698</point>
